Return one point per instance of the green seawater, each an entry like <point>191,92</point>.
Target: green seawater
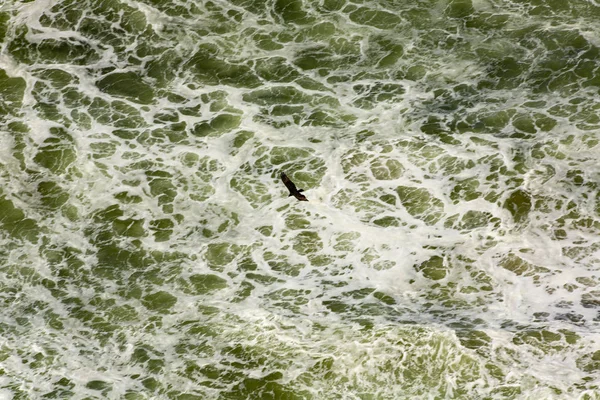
<point>450,247</point>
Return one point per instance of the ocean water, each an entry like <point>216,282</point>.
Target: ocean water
<point>449,149</point>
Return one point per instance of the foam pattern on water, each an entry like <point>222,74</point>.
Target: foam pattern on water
<point>448,149</point>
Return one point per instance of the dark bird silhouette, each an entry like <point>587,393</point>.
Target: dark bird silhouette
<point>292,188</point>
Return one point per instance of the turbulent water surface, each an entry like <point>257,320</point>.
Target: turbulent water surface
<point>449,150</point>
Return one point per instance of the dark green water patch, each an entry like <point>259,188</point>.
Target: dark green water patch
<point>488,21</point>
<point>11,93</point>
<point>149,358</point>
<point>162,229</point>
<point>287,95</point>
<point>308,242</point>
<point>266,41</point>
<point>128,85</point>
<point>545,339</point>
<point>254,191</point>
<point>341,53</point>
<point>14,222</point>
<point>474,339</point>
<point>276,69</point>
<point>465,190</point>
<point>18,131</point>
<point>375,18</point>
<point>520,267</point>
<point>165,67</point>
<point>220,254</point>
<point>421,204</point>
<point>212,68</point>
<point>292,12</point>
<point>296,221</point>
<point>434,268</point>
<point>104,149</point>
<point>241,138</point>
<point>200,284</point>
<point>62,16</point>
<point>372,94</point>
<point>518,204</point>
<point>115,261</point>
<point>160,301</point>
<point>52,195</point>
<point>266,388</point>
<point>290,299</point>
<point>161,187</point>
<point>58,78</point>
<point>129,227</point>
<point>57,153</point>
<point>320,31</point>
<point>51,51</point>
<point>387,221</point>
<point>474,219</point>
<point>4,19</point>
<point>66,15</point>
<point>590,363</point>
<point>281,264</point>
<point>117,114</point>
<point>98,385</point>
<point>219,125</point>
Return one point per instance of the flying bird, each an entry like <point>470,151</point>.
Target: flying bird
<point>292,188</point>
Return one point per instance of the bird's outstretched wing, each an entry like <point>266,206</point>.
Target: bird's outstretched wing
<point>292,188</point>
<point>288,183</point>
